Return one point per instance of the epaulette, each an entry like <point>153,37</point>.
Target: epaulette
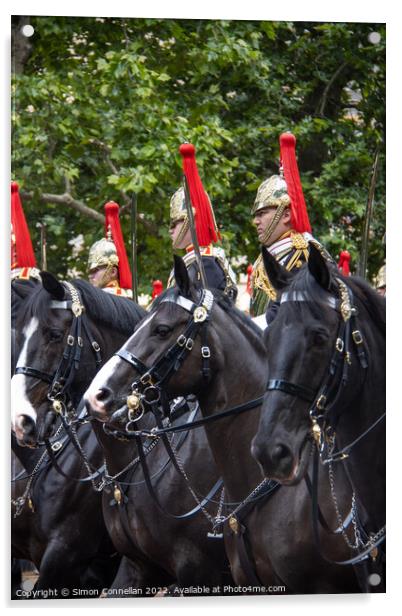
<point>25,273</point>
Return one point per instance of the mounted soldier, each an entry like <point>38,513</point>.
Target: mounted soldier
<point>215,265</point>
<point>281,218</point>
<point>108,266</point>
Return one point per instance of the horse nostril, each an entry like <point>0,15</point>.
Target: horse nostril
<point>104,395</point>
<point>281,454</point>
<point>28,425</point>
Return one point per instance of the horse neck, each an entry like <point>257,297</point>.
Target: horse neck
<point>238,377</point>
<point>366,462</point>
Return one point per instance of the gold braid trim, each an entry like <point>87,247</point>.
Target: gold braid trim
<point>260,279</point>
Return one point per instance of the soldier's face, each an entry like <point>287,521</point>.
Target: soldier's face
<point>262,220</point>
<point>174,232</point>
<point>97,276</point>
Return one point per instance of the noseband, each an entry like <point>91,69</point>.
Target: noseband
<point>148,389</point>
<point>62,378</point>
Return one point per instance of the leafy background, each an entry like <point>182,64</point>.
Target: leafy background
<point>101,105</point>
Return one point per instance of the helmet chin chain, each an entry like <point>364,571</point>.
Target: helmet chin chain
<point>274,222</point>
<point>185,227</point>
<point>105,276</point>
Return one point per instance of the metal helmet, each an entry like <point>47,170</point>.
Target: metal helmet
<point>273,192</point>
<point>102,253</point>
<point>178,212</point>
<point>284,190</point>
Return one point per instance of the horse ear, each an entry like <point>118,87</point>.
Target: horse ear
<point>277,274</point>
<point>52,285</point>
<point>318,267</point>
<point>181,276</point>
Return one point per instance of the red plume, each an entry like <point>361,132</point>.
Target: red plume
<point>249,273</point>
<point>344,262</point>
<point>112,221</point>
<point>22,254</point>
<point>204,217</point>
<point>157,288</point>
<point>300,220</point>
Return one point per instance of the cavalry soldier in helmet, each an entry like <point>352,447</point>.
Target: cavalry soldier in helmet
<point>283,227</point>
<point>108,266</point>
<point>218,273</point>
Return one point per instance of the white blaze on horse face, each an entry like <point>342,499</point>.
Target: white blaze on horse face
<point>20,405</point>
<point>101,379</point>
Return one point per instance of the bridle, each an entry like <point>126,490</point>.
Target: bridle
<point>59,394</point>
<point>322,411</point>
<point>325,401</point>
<point>149,388</point>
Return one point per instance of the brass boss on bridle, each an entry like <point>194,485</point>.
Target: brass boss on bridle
<point>148,389</point>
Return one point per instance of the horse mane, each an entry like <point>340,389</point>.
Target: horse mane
<point>373,303</point>
<point>119,313</point>
<point>243,321</point>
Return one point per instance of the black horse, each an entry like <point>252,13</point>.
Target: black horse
<point>182,551</point>
<point>61,528</point>
<point>188,335</point>
<point>326,382</point>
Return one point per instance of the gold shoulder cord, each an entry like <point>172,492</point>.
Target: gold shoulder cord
<point>260,279</point>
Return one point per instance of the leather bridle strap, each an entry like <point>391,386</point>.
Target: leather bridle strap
<point>305,393</point>
<point>236,410</point>
<point>36,374</point>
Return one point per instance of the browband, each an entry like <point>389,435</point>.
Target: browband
<point>185,303</point>
<point>300,296</point>
<point>61,305</point>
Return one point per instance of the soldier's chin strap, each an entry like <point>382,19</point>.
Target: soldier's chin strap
<point>184,228</point>
<point>274,223</point>
<point>105,279</point>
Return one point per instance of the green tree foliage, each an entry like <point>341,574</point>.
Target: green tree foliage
<point>100,107</point>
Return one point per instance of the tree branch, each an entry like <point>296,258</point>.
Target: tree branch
<point>68,200</point>
<point>329,85</point>
<point>80,207</point>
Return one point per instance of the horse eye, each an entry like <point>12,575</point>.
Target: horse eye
<point>162,330</point>
<point>319,338</point>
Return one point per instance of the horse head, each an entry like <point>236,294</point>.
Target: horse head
<point>65,331</point>
<point>309,354</point>
<point>39,340</point>
<point>140,363</point>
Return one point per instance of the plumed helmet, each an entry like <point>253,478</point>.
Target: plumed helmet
<point>102,253</point>
<point>22,254</point>
<point>110,250</point>
<point>285,190</point>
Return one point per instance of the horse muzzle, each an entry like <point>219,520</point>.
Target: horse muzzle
<point>279,462</point>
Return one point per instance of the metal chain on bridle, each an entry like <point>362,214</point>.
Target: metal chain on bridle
<point>324,404</point>
<point>148,391</point>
